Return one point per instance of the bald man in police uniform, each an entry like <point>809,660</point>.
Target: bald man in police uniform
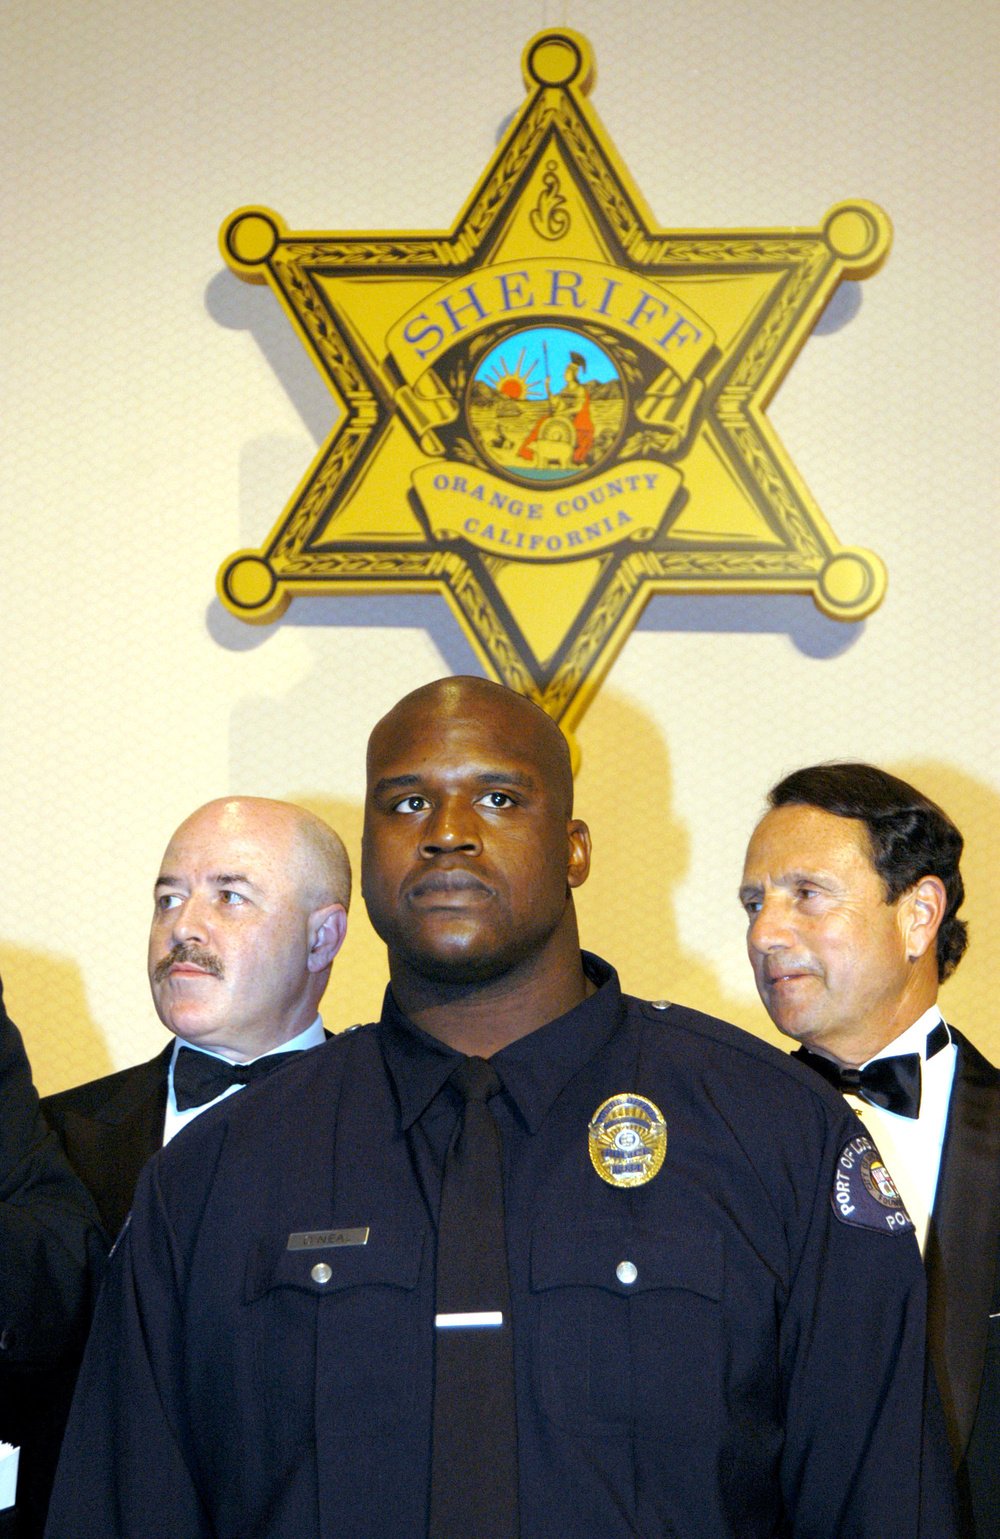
<point>708,1324</point>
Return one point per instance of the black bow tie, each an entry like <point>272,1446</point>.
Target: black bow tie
<point>892,1083</point>
<point>200,1077</point>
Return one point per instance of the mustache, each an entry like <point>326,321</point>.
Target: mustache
<point>184,951</point>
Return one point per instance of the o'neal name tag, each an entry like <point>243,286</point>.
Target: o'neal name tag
<point>326,1239</point>
<point>864,1193</point>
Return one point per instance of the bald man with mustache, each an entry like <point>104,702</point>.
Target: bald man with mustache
<point>249,911</point>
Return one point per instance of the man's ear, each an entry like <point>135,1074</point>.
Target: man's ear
<point>327,928</point>
<point>579,852</point>
<point>922,911</point>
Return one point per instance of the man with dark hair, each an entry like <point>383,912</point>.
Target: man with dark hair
<point>525,1259</point>
<point>852,889</point>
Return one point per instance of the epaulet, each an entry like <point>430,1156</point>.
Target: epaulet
<point>348,1031</point>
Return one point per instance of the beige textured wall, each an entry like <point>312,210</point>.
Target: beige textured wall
<point>157,414</point>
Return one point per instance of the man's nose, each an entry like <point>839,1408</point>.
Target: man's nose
<point>770,928</point>
<point>451,828</point>
<point>190,920</point>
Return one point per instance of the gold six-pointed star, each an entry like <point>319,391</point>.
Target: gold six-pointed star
<point>555,409</point>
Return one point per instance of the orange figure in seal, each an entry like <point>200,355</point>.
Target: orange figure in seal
<point>565,434</point>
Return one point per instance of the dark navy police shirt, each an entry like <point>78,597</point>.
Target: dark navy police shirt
<point>761,1375</point>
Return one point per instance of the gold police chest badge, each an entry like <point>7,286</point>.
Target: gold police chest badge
<point>628,1140</point>
<point>556,408</point>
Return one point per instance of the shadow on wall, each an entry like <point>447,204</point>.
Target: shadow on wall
<point>747,614</point>
<point>45,997</point>
<point>627,907</point>
<point>251,307</point>
<point>426,612</point>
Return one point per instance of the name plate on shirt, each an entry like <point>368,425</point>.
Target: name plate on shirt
<point>326,1239</point>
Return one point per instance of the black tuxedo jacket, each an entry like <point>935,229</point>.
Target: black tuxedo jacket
<point>962,1261</point>
<point>962,1257</point>
<point>109,1128</point>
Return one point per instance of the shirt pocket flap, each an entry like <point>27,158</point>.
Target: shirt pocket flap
<point>628,1259</point>
<point>391,1257</point>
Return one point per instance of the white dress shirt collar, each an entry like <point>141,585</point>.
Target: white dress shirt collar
<point>313,1036</point>
<point>911,1146</point>
<point>913,1039</point>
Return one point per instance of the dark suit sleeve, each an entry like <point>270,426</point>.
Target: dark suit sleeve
<point>128,1468</point>
<point>979,1474</point>
<point>979,1477</point>
<point>963,1277</point>
<point>51,1256</point>
<point>109,1128</point>
<point>50,1247</point>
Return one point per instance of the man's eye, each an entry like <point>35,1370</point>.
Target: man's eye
<point>752,906</point>
<point>230,898</point>
<point>497,799</point>
<point>808,892</point>
<point>167,900</point>
<point>411,804</point>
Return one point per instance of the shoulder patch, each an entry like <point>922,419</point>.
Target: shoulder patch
<point>864,1193</point>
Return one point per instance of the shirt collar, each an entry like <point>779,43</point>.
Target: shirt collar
<point>535,1069</point>
<point>313,1036</point>
<point>912,1040</point>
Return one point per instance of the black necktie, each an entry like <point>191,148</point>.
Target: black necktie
<point>474,1468</point>
<point>892,1083</point>
<point>200,1077</point>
